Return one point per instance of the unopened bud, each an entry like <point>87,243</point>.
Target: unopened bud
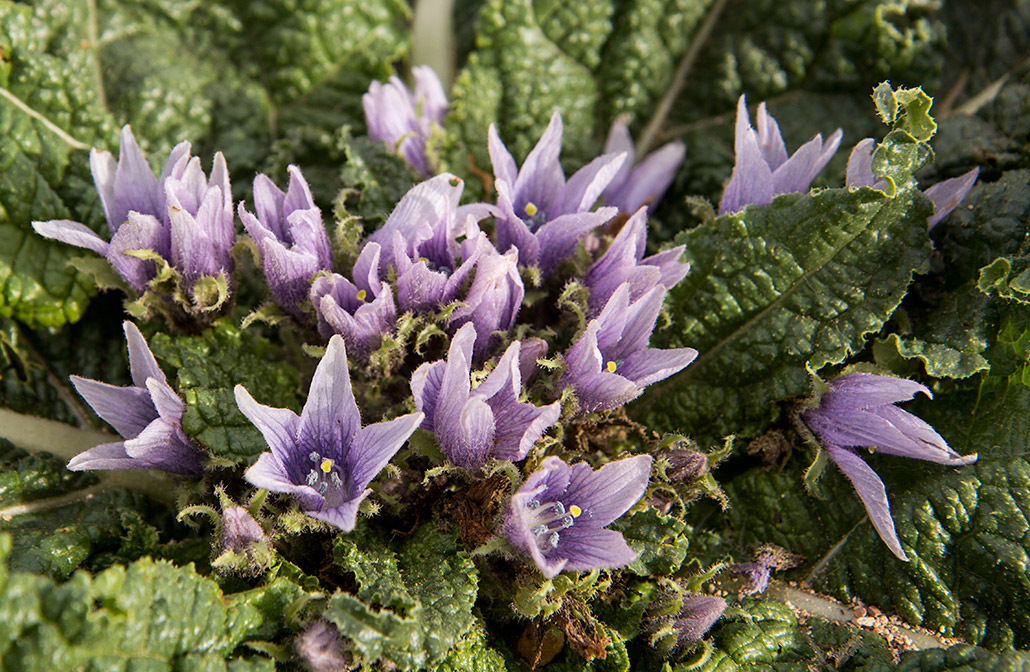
<point>686,465</point>
<point>239,530</point>
<point>320,648</point>
<point>677,621</point>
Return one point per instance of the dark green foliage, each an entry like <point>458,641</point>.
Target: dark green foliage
<point>209,367</point>
<point>774,291</point>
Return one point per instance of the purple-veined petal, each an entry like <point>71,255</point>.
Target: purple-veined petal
<point>168,404</point>
<point>948,194</point>
<point>279,426</point>
<point>860,164</point>
<point>161,445</point>
<point>374,446</point>
<point>330,417</point>
<point>128,409</point>
<point>647,367</point>
<point>557,239</point>
<point>541,179</point>
<point>873,495</point>
<point>72,233</point>
<point>518,426</point>
<point>104,456</point>
<point>867,390</point>
<point>609,492</point>
<point>586,185</point>
<point>590,548</point>
<point>135,187</point>
<point>425,388</point>
<point>770,139</point>
<point>503,163</point>
<point>344,516</point>
<point>140,232</point>
<point>648,181</point>
<point>142,364</point>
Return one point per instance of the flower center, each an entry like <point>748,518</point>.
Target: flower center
<point>546,519</point>
<point>433,266</point>
<point>324,477</point>
<point>536,217</point>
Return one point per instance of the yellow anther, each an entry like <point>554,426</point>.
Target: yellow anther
<point>362,294</point>
<point>326,466</point>
<point>611,366</point>
<point>575,511</point>
<point>531,209</point>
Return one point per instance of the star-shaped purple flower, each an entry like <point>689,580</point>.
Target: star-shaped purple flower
<point>397,115</point>
<point>610,364</point>
<point>186,218</point>
<point>324,458</point>
<point>290,236</point>
<point>559,514</point>
<point>762,169</point>
<point>643,184</point>
<point>362,312</point>
<point>946,195</point>
<point>624,262</point>
<point>858,411</point>
<point>148,414</point>
<point>488,421</point>
<point>538,212</point>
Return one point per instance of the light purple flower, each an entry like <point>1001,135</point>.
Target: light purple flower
<point>695,618</point>
<point>239,530</point>
<point>645,183</point>
<point>420,242</point>
<point>559,514</point>
<point>362,312</point>
<point>945,195</point>
<point>324,458</point>
<point>610,364</point>
<point>290,236</point>
<point>148,415</point>
<point>538,212</point>
<point>186,218</point>
<point>762,169</point>
<point>489,421</point>
<point>404,119</point>
<point>624,262</point>
<point>858,411</point>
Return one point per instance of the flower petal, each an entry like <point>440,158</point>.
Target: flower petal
<point>128,409</point>
<point>649,366</point>
<point>71,233</point>
<point>948,194</point>
<point>142,364</point>
<point>873,495</point>
<point>590,548</point>
<point>330,418</point>
<point>344,516</point>
<point>540,180</point>
<point>609,492</point>
<point>104,456</point>
<point>277,425</point>
<point>374,446</point>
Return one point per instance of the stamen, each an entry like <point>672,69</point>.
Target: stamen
<point>531,209</point>
<point>611,366</point>
<point>314,457</point>
<point>575,511</point>
<point>547,519</point>
<point>326,466</point>
<point>362,294</point>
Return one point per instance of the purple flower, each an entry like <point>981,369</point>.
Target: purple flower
<point>404,119</point>
<point>945,195</point>
<point>324,458</point>
<point>362,312</point>
<point>320,648</point>
<point>624,262</point>
<point>611,364</point>
<point>762,169</point>
<point>538,212</point>
<point>184,217</point>
<point>148,415</point>
<point>419,241</point>
<point>489,421</point>
<point>559,514</point>
<point>290,236</point>
<point>239,530</point>
<point>645,183</point>
<point>858,411</point>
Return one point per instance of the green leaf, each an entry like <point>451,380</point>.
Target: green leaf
<point>777,290</point>
<point>423,596</point>
<point>147,615</point>
<point>939,360</point>
<point>209,367</point>
<point>49,115</point>
<point>767,632</point>
<point>660,541</point>
<point>473,654</point>
<point>374,180</point>
<point>25,477</point>
<point>963,658</point>
<point>1008,278</point>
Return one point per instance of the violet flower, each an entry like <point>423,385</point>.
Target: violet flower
<point>405,120</point>
<point>419,241</point>
<point>362,312</point>
<point>184,217</point>
<point>762,169</point>
<point>858,411</point>
<point>489,421</point>
<point>610,364</point>
<point>291,238</point>
<point>324,458</point>
<point>697,616</point>
<point>538,212</point>
<point>945,195</point>
<point>559,514</point>
<point>643,184</point>
<point>148,415</point>
<point>624,262</point>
